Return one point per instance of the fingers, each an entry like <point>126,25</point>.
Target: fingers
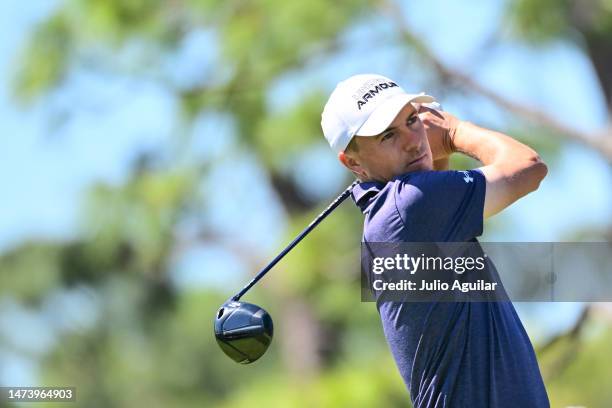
<point>426,112</point>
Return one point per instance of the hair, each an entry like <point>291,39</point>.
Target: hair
<point>352,146</point>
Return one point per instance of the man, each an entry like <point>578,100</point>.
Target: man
<point>450,354</point>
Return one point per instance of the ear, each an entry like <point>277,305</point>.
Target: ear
<point>352,163</point>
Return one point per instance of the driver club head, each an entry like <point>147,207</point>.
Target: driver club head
<point>243,331</point>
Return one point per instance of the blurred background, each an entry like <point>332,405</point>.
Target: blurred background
<point>156,154</point>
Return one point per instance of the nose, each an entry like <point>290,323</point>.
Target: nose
<point>410,140</point>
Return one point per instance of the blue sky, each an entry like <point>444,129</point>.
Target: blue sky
<point>45,172</point>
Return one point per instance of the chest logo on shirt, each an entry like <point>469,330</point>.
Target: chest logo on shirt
<point>467,178</point>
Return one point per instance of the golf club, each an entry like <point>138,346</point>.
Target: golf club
<point>244,330</point>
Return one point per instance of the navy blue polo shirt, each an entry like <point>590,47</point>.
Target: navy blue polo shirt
<point>450,354</point>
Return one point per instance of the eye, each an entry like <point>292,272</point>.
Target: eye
<point>412,119</point>
<point>386,136</point>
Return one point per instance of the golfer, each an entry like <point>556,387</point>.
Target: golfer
<point>450,354</point>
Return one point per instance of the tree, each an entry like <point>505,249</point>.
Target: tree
<point>150,340</point>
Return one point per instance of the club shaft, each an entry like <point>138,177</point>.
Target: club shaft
<point>296,240</point>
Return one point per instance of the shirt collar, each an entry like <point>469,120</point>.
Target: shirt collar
<point>362,193</point>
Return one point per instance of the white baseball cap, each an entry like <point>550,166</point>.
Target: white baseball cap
<point>363,105</point>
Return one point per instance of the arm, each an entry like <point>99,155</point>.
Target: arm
<point>512,169</point>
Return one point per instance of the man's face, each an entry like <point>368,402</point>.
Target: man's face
<point>402,148</point>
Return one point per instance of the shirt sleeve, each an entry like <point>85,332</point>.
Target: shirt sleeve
<point>442,206</point>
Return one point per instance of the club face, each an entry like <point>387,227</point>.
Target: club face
<point>243,331</point>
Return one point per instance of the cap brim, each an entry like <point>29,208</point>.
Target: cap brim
<point>382,116</point>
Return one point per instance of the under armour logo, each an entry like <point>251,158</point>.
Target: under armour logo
<point>467,178</point>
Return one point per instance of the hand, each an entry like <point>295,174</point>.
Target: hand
<point>440,127</point>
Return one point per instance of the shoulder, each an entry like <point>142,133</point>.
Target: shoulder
<point>433,178</point>
<point>415,186</point>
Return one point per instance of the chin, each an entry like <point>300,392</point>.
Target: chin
<point>428,166</point>
<point>427,163</point>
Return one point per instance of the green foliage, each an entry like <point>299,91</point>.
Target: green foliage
<point>283,136</point>
<point>270,32</point>
<point>540,20</point>
<point>122,363</point>
<point>578,372</point>
<point>115,19</point>
<point>45,61</point>
<point>336,260</point>
<point>30,271</point>
<point>362,383</point>
<point>134,223</point>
